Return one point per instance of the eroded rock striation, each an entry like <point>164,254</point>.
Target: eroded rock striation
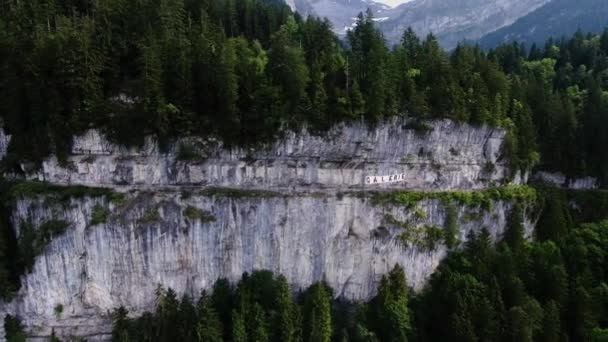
<point>184,217</point>
<point>187,242</point>
<point>558,179</point>
<point>444,156</point>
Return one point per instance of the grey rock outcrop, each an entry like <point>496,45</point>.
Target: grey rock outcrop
<point>560,180</point>
<point>451,21</point>
<point>449,156</point>
<point>4,141</point>
<point>150,239</point>
<point>555,19</point>
<point>455,20</point>
<point>197,212</point>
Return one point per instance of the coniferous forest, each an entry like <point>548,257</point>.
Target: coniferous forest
<point>247,70</point>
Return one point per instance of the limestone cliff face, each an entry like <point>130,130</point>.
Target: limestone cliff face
<point>4,140</point>
<point>150,239</point>
<point>298,207</point>
<point>448,156</point>
<point>558,179</point>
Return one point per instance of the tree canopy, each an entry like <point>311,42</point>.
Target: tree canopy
<point>245,70</point>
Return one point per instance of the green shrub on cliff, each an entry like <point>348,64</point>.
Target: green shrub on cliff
<point>99,215</point>
<point>150,216</point>
<point>33,240</point>
<point>193,213</point>
<point>13,329</point>
<point>61,193</point>
<point>473,199</point>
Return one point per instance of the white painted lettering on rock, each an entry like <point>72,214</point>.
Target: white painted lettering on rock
<point>398,177</point>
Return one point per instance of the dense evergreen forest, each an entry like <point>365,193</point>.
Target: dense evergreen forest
<point>246,70</point>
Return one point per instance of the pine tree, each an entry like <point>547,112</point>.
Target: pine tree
<point>553,223</point>
<point>166,314</point>
<point>451,227</point>
<point>285,327</point>
<point>13,329</point>
<point>120,325</point>
<point>222,299</point>
<point>437,76</point>
<point>368,62</point>
<point>551,326</point>
<point>259,329</point>
<point>239,330</point>
<point>319,314</point>
<point>187,320</point>
<point>209,328</point>
<point>392,307</point>
<point>514,235</point>
<point>287,68</point>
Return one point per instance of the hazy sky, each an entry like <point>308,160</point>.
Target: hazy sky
<point>393,3</point>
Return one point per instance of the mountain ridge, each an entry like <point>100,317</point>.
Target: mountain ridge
<point>451,22</point>
<point>555,19</point>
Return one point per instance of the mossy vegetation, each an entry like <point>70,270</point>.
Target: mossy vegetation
<point>116,198</point>
<point>62,193</point>
<point>188,152</point>
<point>239,193</point>
<point>194,213</point>
<point>57,193</point>
<point>392,221</point>
<point>150,216</point>
<point>419,214</point>
<point>58,310</point>
<point>472,214</point>
<point>472,199</point>
<point>99,215</point>
<point>426,237</point>
<point>32,241</point>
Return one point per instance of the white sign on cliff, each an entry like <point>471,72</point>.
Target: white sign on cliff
<point>371,180</point>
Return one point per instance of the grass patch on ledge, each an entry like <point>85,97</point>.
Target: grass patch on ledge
<point>478,198</point>
<point>62,193</point>
<point>240,193</point>
<point>425,237</point>
<point>150,216</point>
<point>193,213</point>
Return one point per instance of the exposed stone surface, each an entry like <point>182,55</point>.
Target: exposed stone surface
<point>286,212</point>
<point>4,141</point>
<point>560,180</point>
<point>452,21</point>
<point>455,20</point>
<point>344,239</point>
<point>449,156</point>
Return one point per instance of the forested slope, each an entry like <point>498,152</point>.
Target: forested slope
<point>245,70</point>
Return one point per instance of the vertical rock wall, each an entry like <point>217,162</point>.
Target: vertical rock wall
<point>196,212</point>
<point>188,242</point>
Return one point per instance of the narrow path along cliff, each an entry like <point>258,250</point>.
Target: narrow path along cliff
<point>125,220</point>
